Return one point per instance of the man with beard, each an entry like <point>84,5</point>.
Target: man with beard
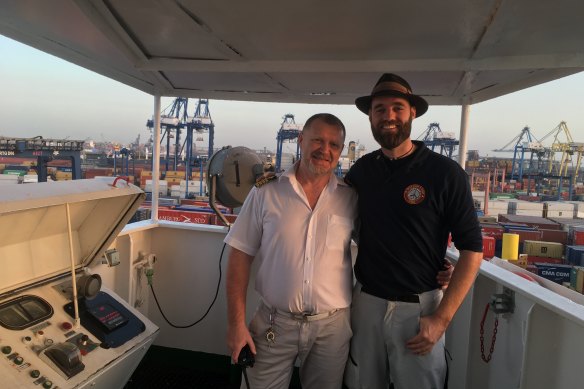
<point>410,199</point>
<point>299,227</point>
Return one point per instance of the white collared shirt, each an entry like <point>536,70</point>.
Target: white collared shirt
<point>305,254</point>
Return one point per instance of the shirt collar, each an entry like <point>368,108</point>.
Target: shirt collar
<point>290,174</point>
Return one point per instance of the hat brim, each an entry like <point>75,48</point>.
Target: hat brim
<point>363,103</point>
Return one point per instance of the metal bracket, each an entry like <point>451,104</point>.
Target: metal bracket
<point>112,257</point>
<point>503,302</point>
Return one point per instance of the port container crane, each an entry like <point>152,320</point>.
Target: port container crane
<point>435,138</point>
<point>289,131</point>
<point>176,119</point>
<point>568,148</point>
<point>44,150</point>
<point>200,122</point>
<point>170,122</point>
<point>522,143</point>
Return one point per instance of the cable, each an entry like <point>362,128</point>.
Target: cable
<point>244,369</point>
<point>208,309</point>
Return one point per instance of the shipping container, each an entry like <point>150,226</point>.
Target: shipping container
<point>487,219</point>
<point>488,247</point>
<point>524,235</point>
<point>217,221</point>
<point>185,216</point>
<point>576,235</point>
<point>575,255</point>
<point>556,273</point>
<point>558,209</point>
<point>577,278</point>
<point>533,221</point>
<point>494,230</point>
<point>543,249</point>
<point>557,236</point>
<point>532,259</point>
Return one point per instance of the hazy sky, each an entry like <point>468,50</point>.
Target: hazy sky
<point>43,95</point>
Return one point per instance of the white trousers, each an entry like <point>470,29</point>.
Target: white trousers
<point>378,353</point>
<point>321,346</point>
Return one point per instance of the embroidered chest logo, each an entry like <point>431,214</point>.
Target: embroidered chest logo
<point>414,194</point>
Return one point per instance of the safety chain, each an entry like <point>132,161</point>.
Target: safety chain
<point>487,358</point>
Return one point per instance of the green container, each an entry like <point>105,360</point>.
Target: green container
<point>14,172</point>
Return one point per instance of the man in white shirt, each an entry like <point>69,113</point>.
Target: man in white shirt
<point>299,227</point>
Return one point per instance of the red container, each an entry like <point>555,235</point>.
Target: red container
<point>532,259</point>
<point>492,230</point>
<point>557,236</point>
<point>185,216</point>
<point>488,247</point>
<point>526,235</point>
<point>218,222</point>
<point>578,237</point>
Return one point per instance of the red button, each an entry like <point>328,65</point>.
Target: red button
<point>66,326</point>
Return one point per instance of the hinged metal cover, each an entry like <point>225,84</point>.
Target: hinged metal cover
<point>34,232</point>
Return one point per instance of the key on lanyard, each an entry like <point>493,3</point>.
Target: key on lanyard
<point>270,334</point>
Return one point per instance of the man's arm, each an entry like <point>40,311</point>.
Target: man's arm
<point>238,270</point>
<point>433,326</point>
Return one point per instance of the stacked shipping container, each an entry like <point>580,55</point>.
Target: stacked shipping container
<point>551,247</point>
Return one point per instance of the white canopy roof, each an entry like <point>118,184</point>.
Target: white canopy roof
<point>326,51</point>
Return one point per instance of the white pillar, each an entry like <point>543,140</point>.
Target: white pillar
<point>462,147</point>
<point>156,159</point>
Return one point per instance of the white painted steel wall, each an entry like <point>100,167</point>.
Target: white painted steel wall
<point>537,347</point>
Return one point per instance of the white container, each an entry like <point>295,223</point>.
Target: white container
<point>30,179</point>
<point>162,187</point>
<point>8,179</point>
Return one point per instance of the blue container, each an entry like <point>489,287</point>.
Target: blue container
<point>498,247</point>
<point>510,227</point>
<point>556,273</point>
<point>575,255</point>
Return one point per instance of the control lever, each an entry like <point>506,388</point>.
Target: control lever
<point>245,360</point>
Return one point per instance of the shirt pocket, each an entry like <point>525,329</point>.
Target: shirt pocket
<point>338,232</point>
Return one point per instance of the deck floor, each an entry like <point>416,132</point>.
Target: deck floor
<point>166,368</point>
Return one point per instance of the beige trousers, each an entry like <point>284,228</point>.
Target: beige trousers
<point>378,353</point>
<point>321,347</point>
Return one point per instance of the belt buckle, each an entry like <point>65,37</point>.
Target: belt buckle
<point>306,315</point>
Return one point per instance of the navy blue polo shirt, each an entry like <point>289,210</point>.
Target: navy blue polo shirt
<point>407,209</point>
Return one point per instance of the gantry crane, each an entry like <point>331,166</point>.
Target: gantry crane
<point>177,119</point>
<point>433,137</point>
<point>170,122</point>
<point>524,142</point>
<point>44,150</point>
<point>289,131</point>
<point>568,148</point>
<point>201,122</point>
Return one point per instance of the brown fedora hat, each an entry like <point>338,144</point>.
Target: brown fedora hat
<point>392,85</point>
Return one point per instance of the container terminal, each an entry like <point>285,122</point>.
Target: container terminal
<point>164,278</point>
<point>537,195</point>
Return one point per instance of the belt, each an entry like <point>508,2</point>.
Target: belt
<point>307,316</point>
<point>405,298</point>
<point>303,316</point>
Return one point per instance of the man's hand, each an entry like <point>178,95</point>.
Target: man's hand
<point>237,338</point>
<point>444,276</point>
<point>431,329</point>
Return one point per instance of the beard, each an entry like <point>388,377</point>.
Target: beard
<point>318,170</point>
<point>388,140</point>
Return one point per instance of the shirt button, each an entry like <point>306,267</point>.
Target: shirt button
<point>307,259</point>
<point>306,282</point>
